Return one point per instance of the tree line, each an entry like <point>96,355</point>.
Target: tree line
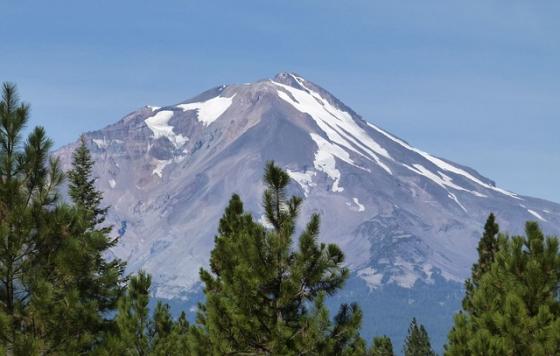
<point>265,287</point>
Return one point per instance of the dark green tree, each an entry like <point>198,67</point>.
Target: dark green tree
<point>381,346</point>
<point>133,319</point>
<point>79,286</point>
<point>515,308</point>
<point>98,279</point>
<point>417,342</point>
<point>487,249</point>
<point>175,341</point>
<point>138,332</point>
<point>263,296</point>
<point>56,290</point>
<point>82,188</point>
<point>33,225</point>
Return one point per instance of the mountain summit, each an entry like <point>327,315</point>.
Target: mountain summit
<point>408,221</point>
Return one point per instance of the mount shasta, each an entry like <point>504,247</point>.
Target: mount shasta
<point>408,222</point>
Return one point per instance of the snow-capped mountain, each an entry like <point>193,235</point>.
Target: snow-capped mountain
<point>407,221</point>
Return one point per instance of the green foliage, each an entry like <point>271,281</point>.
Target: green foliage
<point>381,346</point>
<point>263,296</point>
<point>417,342</point>
<point>487,249</point>
<point>81,185</point>
<point>138,334</point>
<point>32,229</point>
<point>55,287</point>
<point>132,319</point>
<point>515,308</point>
<point>96,278</point>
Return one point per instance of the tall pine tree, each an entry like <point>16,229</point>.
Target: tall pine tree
<point>56,289</point>
<point>30,226</point>
<point>417,342</point>
<point>82,188</point>
<point>515,308</point>
<point>36,228</point>
<point>263,296</point>
<point>99,279</point>
<point>487,249</point>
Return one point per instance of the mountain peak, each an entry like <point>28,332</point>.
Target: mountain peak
<point>283,77</point>
<point>404,218</point>
<point>174,162</point>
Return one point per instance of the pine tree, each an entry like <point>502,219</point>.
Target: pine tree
<point>487,249</point>
<point>176,341</point>
<point>381,346</point>
<point>32,226</point>
<point>132,320</point>
<point>343,338</point>
<point>78,284</point>
<point>56,290</point>
<point>263,296</point>
<point>97,278</point>
<point>138,333</point>
<point>515,308</point>
<point>417,342</point>
<point>82,185</point>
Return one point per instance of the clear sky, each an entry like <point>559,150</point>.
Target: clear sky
<point>476,81</point>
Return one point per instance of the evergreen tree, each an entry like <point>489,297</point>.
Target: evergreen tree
<point>56,290</point>
<point>175,342</point>
<point>515,308</point>
<point>139,334</point>
<point>487,249</point>
<point>33,225</point>
<point>78,284</point>
<point>263,296</point>
<point>343,338</point>
<point>132,319</point>
<point>417,342</point>
<point>381,346</point>
<point>97,278</point>
<point>81,185</point>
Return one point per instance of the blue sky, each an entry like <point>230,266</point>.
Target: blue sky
<point>477,81</point>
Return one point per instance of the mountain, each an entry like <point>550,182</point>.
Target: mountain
<point>408,221</point>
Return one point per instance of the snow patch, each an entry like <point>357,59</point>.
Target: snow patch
<point>444,165</point>
<point>338,125</point>
<point>360,206</point>
<point>210,110</point>
<point>305,180</point>
<point>325,162</point>
<point>407,276</point>
<point>160,166</point>
<point>112,183</point>
<point>428,271</point>
<point>159,124</point>
<point>443,181</point>
<point>537,215</point>
<point>104,143</point>
<point>101,143</point>
<point>372,278</point>
<point>454,198</point>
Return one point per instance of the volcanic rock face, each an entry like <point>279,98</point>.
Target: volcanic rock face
<point>406,220</point>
